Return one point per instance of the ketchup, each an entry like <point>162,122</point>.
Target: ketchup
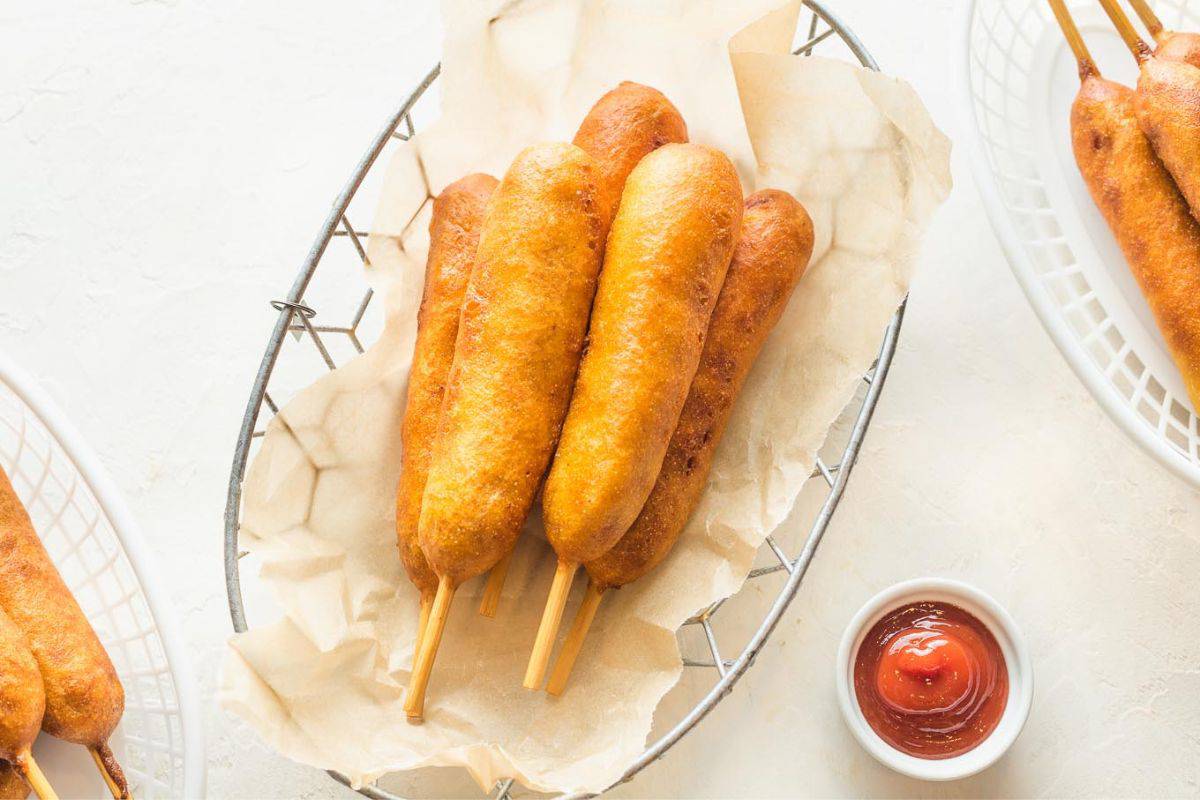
<point>931,680</point>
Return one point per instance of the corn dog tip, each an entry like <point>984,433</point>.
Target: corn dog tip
<point>621,128</point>
<point>1179,46</point>
<point>110,771</point>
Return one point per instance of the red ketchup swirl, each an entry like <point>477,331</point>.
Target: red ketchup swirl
<point>931,680</point>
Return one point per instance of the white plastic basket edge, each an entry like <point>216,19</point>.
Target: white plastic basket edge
<point>1022,267</point>
<point>127,530</point>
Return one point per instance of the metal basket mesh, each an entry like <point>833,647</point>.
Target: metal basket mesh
<point>305,341</point>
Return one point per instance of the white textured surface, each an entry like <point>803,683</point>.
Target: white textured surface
<point>164,167</point>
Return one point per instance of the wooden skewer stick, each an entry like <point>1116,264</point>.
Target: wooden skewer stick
<point>414,703</point>
<point>548,629</point>
<point>32,774</point>
<point>494,587</point>
<point>1148,17</point>
<point>110,770</point>
<point>1082,57</point>
<point>1125,28</point>
<point>575,637</point>
<point>422,622</point>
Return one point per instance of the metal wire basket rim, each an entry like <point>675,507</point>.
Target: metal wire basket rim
<point>734,671</point>
<point>233,588</point>
<point>126,529</point>
<point>1022,267</point>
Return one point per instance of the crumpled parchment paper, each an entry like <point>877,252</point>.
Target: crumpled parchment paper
<point>324,685</point>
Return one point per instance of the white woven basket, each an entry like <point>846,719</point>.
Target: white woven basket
<point>97,548</point>
<point>1017,79</point>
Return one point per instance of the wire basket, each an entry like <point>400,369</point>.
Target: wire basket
<point>95,545</point>
<point>311,344</point>
<point>1016,83</point>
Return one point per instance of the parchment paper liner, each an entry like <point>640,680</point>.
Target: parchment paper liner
<point>324,685</point>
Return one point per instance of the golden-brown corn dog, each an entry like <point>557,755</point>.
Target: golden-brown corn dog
<point>22,697</point>
<point>1145,211</point>
<point>12,785</point>
<point>624,126</point>
<point>1167,102</point>
<point>1179,46</point>
<point>619,130</point>
<point>84,697</point>
<point>771,255</point>
<point>522,329</point>
<point>667,253</point>
<point>453,238</point>
<point>1172,45</point>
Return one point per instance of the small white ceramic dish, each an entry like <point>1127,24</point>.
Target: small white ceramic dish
<point>1016,660</point>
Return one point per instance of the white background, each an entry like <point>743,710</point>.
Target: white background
<point>164,167</point>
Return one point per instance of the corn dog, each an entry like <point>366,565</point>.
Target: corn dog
<point>620,129</point>
<point>12,785</point>
<point>22,703</point>
<point>522,328</point>
<point>624,126</point>
<point>775,245</point>
<point>1146,213</point>
<point>1168,109</point>
<point>1167,102</point>
<point>84,698</point>
<point>453,237</point>
<point>772,254</point>
<point>1172,45</point>
<point>667,254</point>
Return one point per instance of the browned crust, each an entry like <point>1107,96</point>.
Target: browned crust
<point>108,762</point>
<point>1168,109</point>
<point>523,322</point>
<point>12,785</point>
<point>22,698</point>
<point>84,697</point>
<point>1179,46</point>
<point>453,238</point>
<point>1146,213</point>
<point>625,125</point>
<point>773,252</point>
<point>666,258</point>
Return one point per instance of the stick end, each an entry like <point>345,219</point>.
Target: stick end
<point>414,708</point>
<point>533,680</point>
